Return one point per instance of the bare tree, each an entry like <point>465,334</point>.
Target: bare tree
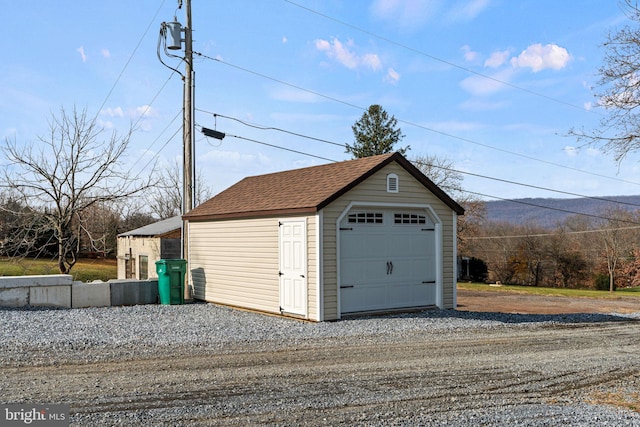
<point>618,90</point>
<point>166,200</point>
<point>67,172</point>
<point>617,241</point>
<point>441,171</point>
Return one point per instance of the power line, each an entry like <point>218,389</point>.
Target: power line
<point>446,134</point>
<point>602,199</point>
<point>470,192</point>
<point>601,230</point>
<point>129,60</point>
<point>148,106</point>
<point>272,128</point>
<point>521,202</point>
<point>281,148</point>
<point>164,145</point>
<point>262,127</point>
<point>435,58</point>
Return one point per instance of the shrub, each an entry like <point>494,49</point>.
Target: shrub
<point>601,282</point>
<point>478,270</point>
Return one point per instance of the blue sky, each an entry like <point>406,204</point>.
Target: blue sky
<point>492,85</point>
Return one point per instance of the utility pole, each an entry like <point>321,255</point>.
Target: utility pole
<point>188,172</point>
<point>170,34</point>
<point>188,188</point>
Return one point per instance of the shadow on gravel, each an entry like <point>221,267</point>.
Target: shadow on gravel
<point>569,318</point>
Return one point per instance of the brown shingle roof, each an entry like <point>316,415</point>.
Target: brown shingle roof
<point>303,190</point>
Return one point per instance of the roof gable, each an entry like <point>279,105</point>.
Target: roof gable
<point>305,190</point>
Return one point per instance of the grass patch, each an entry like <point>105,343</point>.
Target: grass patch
<point>533,290</point>
<point>85,270</point>
<point>620,399</point>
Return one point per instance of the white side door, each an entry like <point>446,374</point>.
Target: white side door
<point>293,263</point>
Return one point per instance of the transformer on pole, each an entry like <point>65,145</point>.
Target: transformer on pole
<point>172,33</point>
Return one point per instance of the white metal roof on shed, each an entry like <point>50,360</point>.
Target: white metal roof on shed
<point>157,228</point>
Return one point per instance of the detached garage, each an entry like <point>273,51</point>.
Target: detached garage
<point>365,235</point>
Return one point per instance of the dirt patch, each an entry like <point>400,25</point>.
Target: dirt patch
<point>511,302</point>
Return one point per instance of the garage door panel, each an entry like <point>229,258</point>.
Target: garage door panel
<point>402,270</point>
<point>425,270</point>
<point>423,241</point>
<point>363,298</point>
<point>366,253</point>
<point>375,243</point>
<point>351,246</point>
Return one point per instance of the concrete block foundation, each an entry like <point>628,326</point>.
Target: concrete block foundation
<point>50,296</point>
<point>14,297</point>
<point>134,292</point>
<point>90,294</point>
<point>58,290</point>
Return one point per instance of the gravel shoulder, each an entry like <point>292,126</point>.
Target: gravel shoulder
<point>200,364</point>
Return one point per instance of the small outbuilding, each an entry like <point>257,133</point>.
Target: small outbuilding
<point>139,249</point>
<point>365,235</point>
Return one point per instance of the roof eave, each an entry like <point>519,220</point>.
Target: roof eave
<point>251,214</point>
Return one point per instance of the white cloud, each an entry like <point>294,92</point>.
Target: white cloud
<point>133,113</point>
<point>467,10</point>
<point>233,159</point>
<point>482,86</point>
<point>496,59</point>
<point>372,61</point>
<point>112,112</point>
<point>292,95</point>
<point>392,76</point>
<point>106,53</point>
<point>593,152</point>
<point>304,117</point>
<point>105,124</point>
<point>406,14</point>
<point>143,110</point>
<point>571,151</point>
<point>9,133</point>
<point>345,54</point>
<point>336,50</point>
<point>539,57</point>
<point>469,55</point>
<point>454,126</point>
<point>476,104</point>
<point>80,50</point>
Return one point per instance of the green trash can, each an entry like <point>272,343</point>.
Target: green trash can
<point>171,280</point>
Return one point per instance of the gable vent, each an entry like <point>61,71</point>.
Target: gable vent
<point>392,183</point>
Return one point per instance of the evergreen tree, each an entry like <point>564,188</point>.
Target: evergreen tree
<point>375,133</point>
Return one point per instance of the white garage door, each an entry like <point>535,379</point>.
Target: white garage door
<point>387,260</point>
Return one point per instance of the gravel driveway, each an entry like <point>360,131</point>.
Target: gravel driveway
<point>200,364</point>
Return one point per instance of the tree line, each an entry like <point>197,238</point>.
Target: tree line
<point>582,252</point>
<point>68,193</point>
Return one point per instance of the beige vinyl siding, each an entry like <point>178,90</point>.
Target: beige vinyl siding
<point>236,262</point>
<point>373,190</point>
<point>312,268</point>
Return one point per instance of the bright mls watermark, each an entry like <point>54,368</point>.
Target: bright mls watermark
<point>16,414</point>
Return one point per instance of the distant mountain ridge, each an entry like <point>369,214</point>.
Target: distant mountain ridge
<point>549,213</point>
